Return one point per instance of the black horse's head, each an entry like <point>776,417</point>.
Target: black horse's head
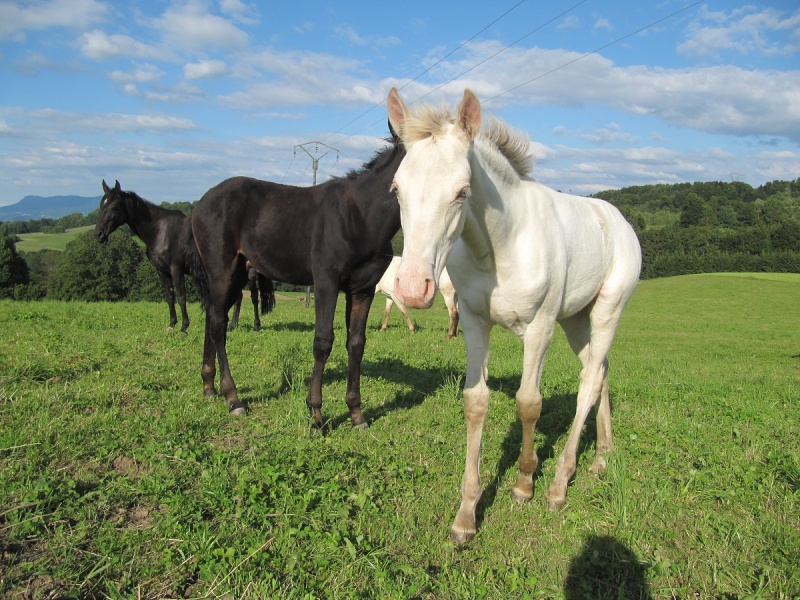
<point>112,212</point>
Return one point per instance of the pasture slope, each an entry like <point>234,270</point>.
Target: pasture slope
<point>32,242</point>
<point>118,479</point>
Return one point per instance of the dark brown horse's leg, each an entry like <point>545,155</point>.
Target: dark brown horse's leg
<point>324,308</point>
<point>253,277</point>
<point>357,311</point>
<point>166,281</point>
<point>180,292</point>
<point>209,370</point>
<point>235,319</point>
<point>217,323</point>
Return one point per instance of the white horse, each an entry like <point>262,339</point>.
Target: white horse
<point>386,286</point>
<point>521,255</point>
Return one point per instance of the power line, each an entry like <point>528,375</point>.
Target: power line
<point>540,76</point>
<point>595,51</point>
<point>488,58</point>
<point>438,62</point>
<point>530,33</point>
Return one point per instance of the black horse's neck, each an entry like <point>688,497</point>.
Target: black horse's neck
<point>140,215</point>
<point>380,205</point>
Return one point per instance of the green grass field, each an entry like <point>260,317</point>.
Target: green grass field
<point>32,242</point>
<point>118,479</point>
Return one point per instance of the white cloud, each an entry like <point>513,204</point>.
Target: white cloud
<point>569,22</point>
<point>35,123</point>
<point>300,78</point>
<point>242,12</point>
<point>726,100</point>
<point>190,27</point>
<point>743,31</point>
<point>16,18</point>
<point>610,134</point>
<point>99,45</point>
<point>205,69</point>
<point>348,33</point>
<point>142,74</point>
<point>304,27</point>
<point>602,23</point>
<point>176,94</point>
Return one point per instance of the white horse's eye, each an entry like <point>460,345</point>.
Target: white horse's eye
<point>462,195</point>
<point>393,189</point>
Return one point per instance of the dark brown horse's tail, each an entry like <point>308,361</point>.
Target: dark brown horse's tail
<point>194,264</point>
<point>267,290</point>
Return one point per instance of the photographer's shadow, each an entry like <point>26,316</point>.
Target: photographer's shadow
<point>606,569</point>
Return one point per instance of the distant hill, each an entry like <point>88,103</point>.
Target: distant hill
<point>53,207</point>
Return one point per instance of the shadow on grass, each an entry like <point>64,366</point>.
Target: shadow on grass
<point>606,569</point>
<point>424,383</point>
<point>289,326</point>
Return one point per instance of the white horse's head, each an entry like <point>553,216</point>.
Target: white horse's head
<point>432,185</point>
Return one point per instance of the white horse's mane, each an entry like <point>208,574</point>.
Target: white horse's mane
<point>430,121</point>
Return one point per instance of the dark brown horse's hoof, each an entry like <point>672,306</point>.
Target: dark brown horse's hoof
<point>361,426</point>
<point>237,409</point>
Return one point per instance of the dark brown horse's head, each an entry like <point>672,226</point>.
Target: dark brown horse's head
<point>112,212</point>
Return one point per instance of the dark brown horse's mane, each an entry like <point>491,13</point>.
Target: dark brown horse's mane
<point>142,207</point>
<point>379,158</point>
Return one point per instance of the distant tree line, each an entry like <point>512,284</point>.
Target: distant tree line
<point>86,270</point>
<point>714,226</point>
<point>683,228</point>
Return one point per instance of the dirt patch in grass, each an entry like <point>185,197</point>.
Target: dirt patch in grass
<point>126,466</point>
<point>37,585</point>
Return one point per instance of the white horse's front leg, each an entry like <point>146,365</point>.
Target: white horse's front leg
<point>536,340</point>
<point>476,405</point>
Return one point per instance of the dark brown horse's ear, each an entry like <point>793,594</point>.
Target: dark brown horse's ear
<point>106,189</point>
<point>116,187</point>
<point>395,137</point>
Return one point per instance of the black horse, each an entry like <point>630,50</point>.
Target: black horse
<point>335,236</point>
<point>166,233</point>
<point>257,283</point>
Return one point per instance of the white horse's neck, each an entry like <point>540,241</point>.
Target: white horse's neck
<point>491,218</point>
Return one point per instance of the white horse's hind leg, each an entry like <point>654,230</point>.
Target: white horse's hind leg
<point>605,443</point>
<point>404,311</point>
<point>536,340</point>
<point>590,336</point>
<point>385,323</point>
<point>578,331</point>
<point>476,405</point>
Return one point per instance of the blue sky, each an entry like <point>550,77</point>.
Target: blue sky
<point>172,97</point>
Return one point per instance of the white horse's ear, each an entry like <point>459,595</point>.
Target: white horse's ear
<point>397,111</point>
<point>468,118</point>
<point>106,189</point>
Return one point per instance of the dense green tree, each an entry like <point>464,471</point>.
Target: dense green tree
<point>13,269</point>
<point>726,215</point>
<point>184,207</point>
<point>692,210</point>
<point>43,267</point>
<point>95,272</point>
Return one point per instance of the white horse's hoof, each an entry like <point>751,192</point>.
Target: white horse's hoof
<point>461,536</point>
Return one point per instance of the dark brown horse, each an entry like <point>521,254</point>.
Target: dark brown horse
<point>166,233</point>
<point>335,236</point>
<point>257,284</point>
